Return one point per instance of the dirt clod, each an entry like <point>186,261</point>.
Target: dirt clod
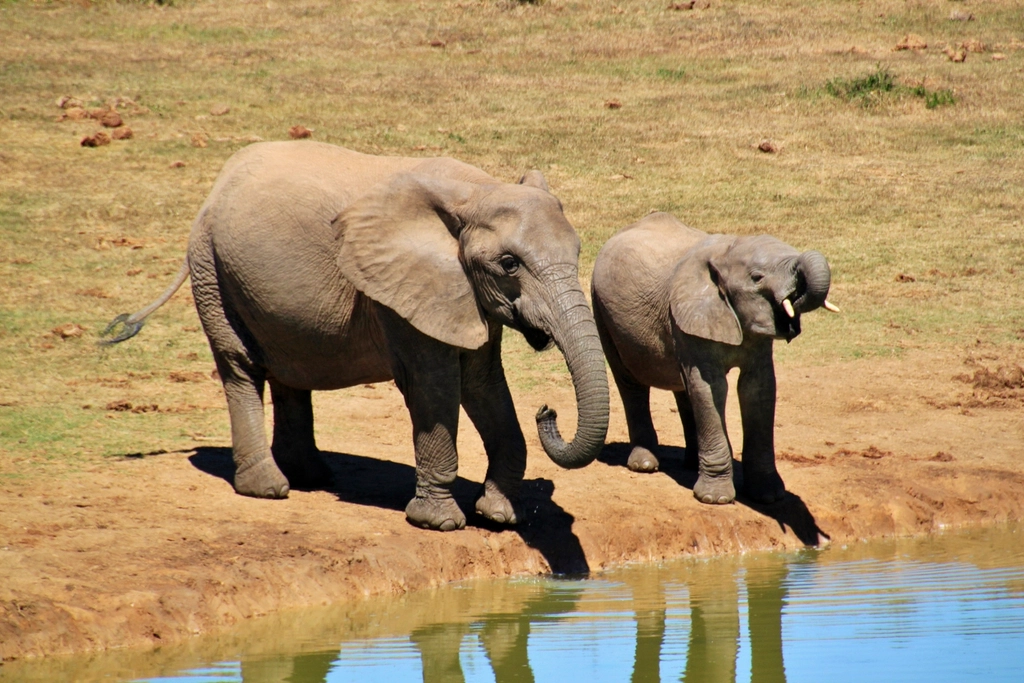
<point>68,330</point>
<point>300,132</point>
<point>903,277</point>
<point>999,387</point>
<point>97,139</point>
<point>110,119</point>
<point>68,102</point>
<point>181,377</point>
<point>911,41</point>
<point>122,133</point>
<point>956,54</point>
<point>613,104</point>
<point>768,147</point>
<point>93,292</point>
<point>871,453</point>
<point>73,114</point>
<point>220,110</point>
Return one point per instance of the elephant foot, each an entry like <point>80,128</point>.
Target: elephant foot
<point>261,479</point>
<point>642,460</point>
<point>495,505</point>
<point>442,514</point>
<point>714,490</point>
<point>765,488</point>
<point>307,471</point>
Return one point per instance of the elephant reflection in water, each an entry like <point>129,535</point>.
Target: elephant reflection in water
<point>714,598</point>
<point>504,637</point>
<point>715,622</point>
<point>714,628</point>
<point>305,668</point>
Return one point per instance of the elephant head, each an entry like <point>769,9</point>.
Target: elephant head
<point>726,288</point>
<point>454,258</point>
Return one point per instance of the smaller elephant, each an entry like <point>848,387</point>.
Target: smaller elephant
<point>676,309</point>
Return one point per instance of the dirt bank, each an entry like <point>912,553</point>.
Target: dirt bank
<point>144,550</point>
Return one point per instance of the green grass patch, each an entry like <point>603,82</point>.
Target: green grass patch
<point>881,84</point>
<point>880,81</point>
<point>670,74</point>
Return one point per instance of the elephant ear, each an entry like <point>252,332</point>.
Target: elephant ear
<point>700,307</point>
<point>535,178</point>
<point>399,246</point>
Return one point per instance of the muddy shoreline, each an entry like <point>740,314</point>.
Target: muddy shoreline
<point>143,551</point>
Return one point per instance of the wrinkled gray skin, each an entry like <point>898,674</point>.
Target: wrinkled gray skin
<point>676,309</point>
<point>314,267</point>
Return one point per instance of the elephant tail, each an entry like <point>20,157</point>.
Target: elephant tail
<point>132,323</point>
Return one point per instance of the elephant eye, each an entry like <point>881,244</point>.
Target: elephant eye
<point>509,263</point>
<point>756,277</point>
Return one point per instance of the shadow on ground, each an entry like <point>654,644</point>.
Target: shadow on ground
<point>791,512</point>
<point>545,526</point>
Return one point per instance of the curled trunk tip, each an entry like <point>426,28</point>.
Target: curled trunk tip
<point>818,277</point>
<point>575,333</point>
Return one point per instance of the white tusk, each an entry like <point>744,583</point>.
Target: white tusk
<point>829,306</point>
<point>788,307</point>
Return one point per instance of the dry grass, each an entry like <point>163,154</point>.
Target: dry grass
<point>885,189</point>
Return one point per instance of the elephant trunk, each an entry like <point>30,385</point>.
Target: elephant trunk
<point>817,277</point>
<point>574,331</point>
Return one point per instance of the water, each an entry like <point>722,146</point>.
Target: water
<point>946,608</point>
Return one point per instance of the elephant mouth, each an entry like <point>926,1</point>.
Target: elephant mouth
<point>538,339</point>
<point>789,329</point>
<point>786,326</point>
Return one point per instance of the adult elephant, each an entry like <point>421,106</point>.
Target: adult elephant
<point>315,267</point>
<point>676,309</point>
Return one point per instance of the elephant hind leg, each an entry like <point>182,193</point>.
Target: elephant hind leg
<point>636,401</point>
<point>256,473</point>
<point>294,446</point>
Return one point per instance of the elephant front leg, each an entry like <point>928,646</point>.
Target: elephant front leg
<point>488,403</point>
<point>427,373</point>
<point>707,388</point>
<point>437,464</point>
<point>294,445</point>
<point>757,393</point>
